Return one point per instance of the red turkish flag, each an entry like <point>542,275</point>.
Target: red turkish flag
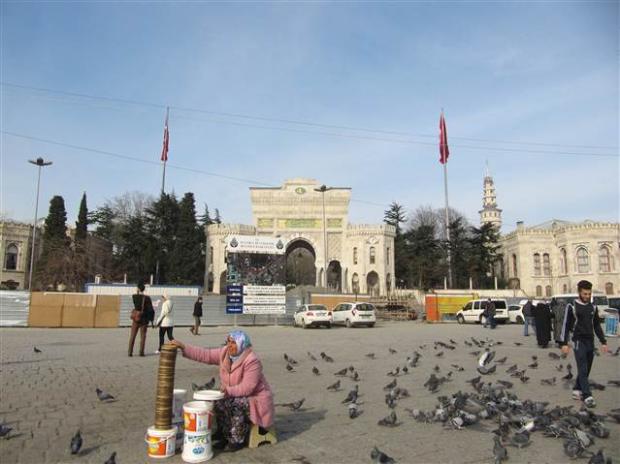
<point>444,152</point>
<point>164,150</point>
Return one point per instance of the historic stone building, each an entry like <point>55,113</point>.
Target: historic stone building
<point>552,257</point>
<point>490,213</point>
<point>15,243</point>
<point>323,248</point>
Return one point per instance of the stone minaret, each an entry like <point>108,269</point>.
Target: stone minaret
<point>490,213</point>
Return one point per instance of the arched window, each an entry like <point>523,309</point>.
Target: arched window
<point>514,266</point>
<point>210,255</point>
<point>372,256</point>
<point>538,290</point>
<point>355,255</point>
<point>564,288</point>
<point>388,282</point>
<point>387,256</point>
<point>548,290</point>
<point>10,257</point>
<point>546,264</point>
<point>583,260</point>
<point>355,283</point>
<point>609,288</point>
<point>605,261</point>
<point>563,261</point>
<point>537,264</point>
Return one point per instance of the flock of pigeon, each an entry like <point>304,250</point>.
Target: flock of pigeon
<point>75,445</point>
<point>513,419</point>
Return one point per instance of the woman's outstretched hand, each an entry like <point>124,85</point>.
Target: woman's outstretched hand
<point>178,344</point>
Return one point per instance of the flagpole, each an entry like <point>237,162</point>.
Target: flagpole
<point>165,160</point>
<point>445,184</point>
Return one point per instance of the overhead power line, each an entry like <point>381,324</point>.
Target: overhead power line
<point>324,126</point>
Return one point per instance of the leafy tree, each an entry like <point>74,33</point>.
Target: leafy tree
<point>395,216</point>
<point>106,220</point>
<point>186,262</point>
<point>55,252</point>
<point>483,254</point>
<point>132,257</point>
<point>161,223</point>
<point>459,252</point>
<point>218,217</point>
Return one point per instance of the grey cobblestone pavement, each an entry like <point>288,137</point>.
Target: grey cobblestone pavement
<point>46,397</point>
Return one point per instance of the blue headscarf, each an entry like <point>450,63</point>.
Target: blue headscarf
<point>242,340</point>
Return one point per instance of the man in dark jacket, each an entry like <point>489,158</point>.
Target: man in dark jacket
<point>528,317</point>
<point>197,315</point>
<point>581,317</point>
<point>489,312</point>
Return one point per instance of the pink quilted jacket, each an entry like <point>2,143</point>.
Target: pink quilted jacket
<point>244,377</point>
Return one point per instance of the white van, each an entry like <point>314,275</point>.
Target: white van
<point>472,311</point>
<point>354,314</point>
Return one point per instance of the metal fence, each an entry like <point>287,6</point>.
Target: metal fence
<point>14,308</point>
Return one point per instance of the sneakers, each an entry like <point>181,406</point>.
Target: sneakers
<point>589,402</point>
<point>577,394</point>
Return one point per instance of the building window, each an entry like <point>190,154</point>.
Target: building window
<point>355,283</point>
<point>609,288</point>
<point>605,259</point>
<point>514,266</point>
<point>548,290</point>
<point>583,260</point>
<point>10,257</point>
<point>538,290</point>
<point>388,282</point>
<point>564,288</point>
<point>563,261</point>
<point>388,255</point>
<point>546,265</point>
<point>372,255</point>
<point>210,255</point>
<point>355,255</point>
<point>537,264</point>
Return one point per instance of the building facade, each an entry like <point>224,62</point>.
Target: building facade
<point>490,213</point>
<point>552,257</point>
<point>323,248</point>
<point>15,244</point>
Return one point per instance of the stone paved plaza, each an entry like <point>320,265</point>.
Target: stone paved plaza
<point>46,397</point>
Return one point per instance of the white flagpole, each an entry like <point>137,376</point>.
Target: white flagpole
<point>445,183</point>
<point>166,140</point>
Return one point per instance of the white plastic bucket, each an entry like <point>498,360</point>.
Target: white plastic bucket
<point>160,443</point>
<point>197,416</point>
<point>197,447</point>
<point>180,431</point>
<point>178,399</point>
<point>208,395</point>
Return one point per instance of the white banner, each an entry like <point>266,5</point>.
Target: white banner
<point>255,244</point>
<point>264,309</point>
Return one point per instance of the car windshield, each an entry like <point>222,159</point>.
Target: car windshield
<point>499,304</point>
<point>601,300</point>
<point>514,308</point>
<point>317,308</point>
<point>365,307</point>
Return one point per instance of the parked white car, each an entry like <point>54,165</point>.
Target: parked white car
<point>312,315</point>
<point>354,314</point>
<point>472,311</point>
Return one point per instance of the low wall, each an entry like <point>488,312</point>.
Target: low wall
<point>81,310</point>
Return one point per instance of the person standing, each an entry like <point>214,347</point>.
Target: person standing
<point>486,313</point>
<point>581,317</point>
<point>141,315</point>
<point>528,318</point>
<point>164,321</point>
<point>542,318</point>
<point>197,315</point>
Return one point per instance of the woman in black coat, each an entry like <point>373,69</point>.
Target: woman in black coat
<point>542,318</point>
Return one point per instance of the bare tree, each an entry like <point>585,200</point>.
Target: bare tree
<point>129,204</point>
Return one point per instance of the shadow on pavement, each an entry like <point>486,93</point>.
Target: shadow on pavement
<point>295,423</point>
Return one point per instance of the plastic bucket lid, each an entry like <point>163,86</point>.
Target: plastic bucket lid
<point>208,395</point>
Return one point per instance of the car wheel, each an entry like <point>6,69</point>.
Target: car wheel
<point>520,320</point>
<point>348,323</point>
<point>303,324</point>
<point>460,319</point>
<point>329,325</point>
<point>372,324</point>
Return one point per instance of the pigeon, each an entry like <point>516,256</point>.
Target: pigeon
<point>505,383</point>
<point>294,406</point>
<point>111,459</point>
<point>36,350</point>
<point>328,359</point>
<point>484,361</point>
<point>573,448</point>
<point>518,343</point>
<point>390,401</point>
<point>615,383</point>
<point>512,369</point>
<point>534,365</point>
<point>207,386</point>
<point>499,451</point>
<point>596,386</point>
<point>475,380</point>
<point>475,353</point>
<point>379,457</point>
<point>352,395</point>
<point>370,356</point>
<point>334,386</point>
<point>599,430</point>
<point>440,354</point>
<point>311,356</point>
<point>286,357</point>
<point>290,368</point>
<point>355,377</point>
<point>405,370</point>
<point>290,360</point>
<point>341,372</point>
<point>432,383</point>
<point>394,373</point>
<point>550,381</point>
<point>502,360</point>
<point>390,385</point>
<point>4,431</point>
<point>392,350</point>
<point>553,355</point>
<point>520,440</point>
<point>453,342</point>
<point>316,371</point>
<point>559,367</point>
<point>390,420</point>
<point>353,411</point>
<point>102,395</point>
<point>457,367</point>
<point>76,443</point>
<point>468,343</point>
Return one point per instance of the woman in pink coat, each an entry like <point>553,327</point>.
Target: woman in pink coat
<point>248,395</point>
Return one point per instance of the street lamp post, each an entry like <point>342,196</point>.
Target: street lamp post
<point>324,189</point>
<point>39,162</point>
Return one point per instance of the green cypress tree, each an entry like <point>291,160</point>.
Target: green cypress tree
<point>186,260</point>
<point>52,266</point>
<point>161,224</point>
<point>206,219</point>
<point>218,217</point>
<point>81,225</point>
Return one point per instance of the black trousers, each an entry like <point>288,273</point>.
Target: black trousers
<point>162,331</point>
<point>584,355</point>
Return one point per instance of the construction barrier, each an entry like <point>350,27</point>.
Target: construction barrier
<point>331,301</point>
<point>81,310</point>
<point>78,310</point>
<point>46,309</point>
<point>108,311</point>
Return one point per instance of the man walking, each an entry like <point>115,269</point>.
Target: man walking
<point>528,318</point>
<point>581,317</point>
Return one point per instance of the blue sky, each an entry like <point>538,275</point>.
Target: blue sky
<point>514,72</point>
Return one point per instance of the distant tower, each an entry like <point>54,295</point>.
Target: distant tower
<point>490,213</point>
